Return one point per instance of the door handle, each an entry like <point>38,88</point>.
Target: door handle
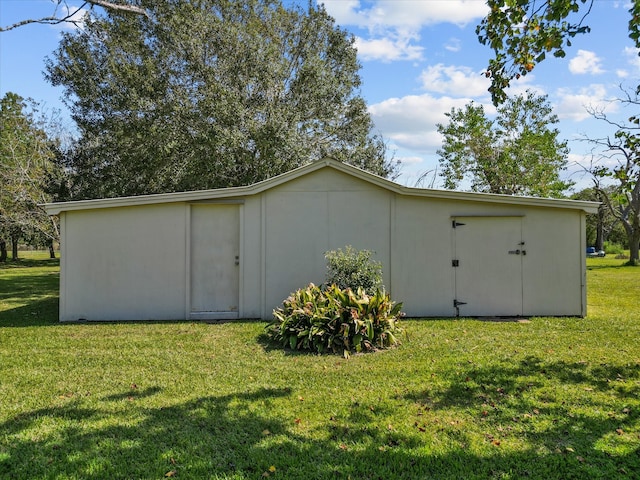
<point>514,252</point>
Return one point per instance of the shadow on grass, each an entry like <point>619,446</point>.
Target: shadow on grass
<point>580,438</point>
<point>237,436</point>
<point>35,293</point>
<point>30,262</point>
<point>38,313</point>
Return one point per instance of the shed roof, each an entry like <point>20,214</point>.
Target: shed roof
<point>235,192</point>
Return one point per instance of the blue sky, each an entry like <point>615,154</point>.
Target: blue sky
<point>419,59</point>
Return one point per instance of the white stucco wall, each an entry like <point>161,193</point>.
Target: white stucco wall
<point>124,263</point>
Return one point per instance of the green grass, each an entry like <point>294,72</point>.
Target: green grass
<point>554,398</point>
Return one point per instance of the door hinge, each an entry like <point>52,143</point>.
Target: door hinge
<point>456,305</point>
<point>455,263</point>
<point>455,224</point>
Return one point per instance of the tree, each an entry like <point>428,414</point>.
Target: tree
<point>603,226</point>
<point>211,93</point>
<point>518,153</point>
<point>617,179</point>
<point>25,161</point>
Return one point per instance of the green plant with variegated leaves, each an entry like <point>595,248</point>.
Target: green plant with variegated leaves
<point>336,320</point>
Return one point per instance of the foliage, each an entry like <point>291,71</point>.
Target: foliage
<point>26,162</point>
<point>518,153</point>
<point>547,399</point>
<point>521,34</point>
<point>611,248</point>
<point>353,269</point>
<point>603,226</point>
<point>210,94</point>
<point>336,320</point>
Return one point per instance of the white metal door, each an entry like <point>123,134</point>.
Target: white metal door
<point>488,253</point>
<point>214,262</point>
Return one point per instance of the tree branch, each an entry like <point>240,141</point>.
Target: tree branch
<point>71,12</point>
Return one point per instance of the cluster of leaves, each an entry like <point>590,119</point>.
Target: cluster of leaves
<point>353,269</point>
<point>336,320</point>
<point>522,32</point>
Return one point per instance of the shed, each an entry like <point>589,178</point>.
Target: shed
<point>238,252</point>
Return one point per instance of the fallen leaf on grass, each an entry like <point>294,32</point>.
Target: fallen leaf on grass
<point>272,468</point>
<point>266,432</point>
<point>619,431</point>
<point>171,473</point>
<point>297,421</point>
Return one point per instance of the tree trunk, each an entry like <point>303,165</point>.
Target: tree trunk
<point>3,250</point>
<point>52,252</point>
<point>634,242</point>
<point>600,229</point>
<point>14,248</point>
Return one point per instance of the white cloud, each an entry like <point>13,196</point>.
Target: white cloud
<point>454,80</point>
<point>453,45</point>
<point>574,105</point>
<point>394,27</point>
<point>413,15</point>
<point>632,57</point>
<point>410,122</point>
<point>387,49</point>
<point>585,62</point>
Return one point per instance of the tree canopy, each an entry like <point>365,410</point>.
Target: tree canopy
<point>210,93</point>
<point>517,153</point>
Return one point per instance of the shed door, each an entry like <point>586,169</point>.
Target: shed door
<point>488,252</point>
<point>214,252</point>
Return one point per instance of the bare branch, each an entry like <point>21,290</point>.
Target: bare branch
<point>56,19</point>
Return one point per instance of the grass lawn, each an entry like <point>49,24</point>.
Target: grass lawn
<point>552,398</point>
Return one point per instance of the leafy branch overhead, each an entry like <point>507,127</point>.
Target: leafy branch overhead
<point>523,32</point>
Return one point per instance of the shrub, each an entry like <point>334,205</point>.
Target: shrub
<point>613,248</point>
<point>353,269</point>
<point>336,320</point>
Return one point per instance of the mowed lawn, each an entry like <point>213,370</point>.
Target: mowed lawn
<point>551,398</point>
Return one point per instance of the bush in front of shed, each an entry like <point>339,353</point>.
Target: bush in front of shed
<point>351,268</point>
<point>336,320</point>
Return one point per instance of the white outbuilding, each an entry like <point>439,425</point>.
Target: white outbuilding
<point>238,252</point>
